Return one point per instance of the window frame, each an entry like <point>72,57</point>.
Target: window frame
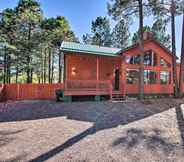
<point>135,78</point>
<point>168,77</point>
<point>149,77</point>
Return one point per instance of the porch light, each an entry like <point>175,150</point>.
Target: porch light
<point>74,71</point>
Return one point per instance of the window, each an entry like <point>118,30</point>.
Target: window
<point>164,63</point>
<point>127,59</point>
<point>165,77</point>
<point>137,59</point>
<point>133,59</point>
<point>150,59</point>
<point>132,76</point>
<point>150,77</point>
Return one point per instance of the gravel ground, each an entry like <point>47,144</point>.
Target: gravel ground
<point>92,131</point>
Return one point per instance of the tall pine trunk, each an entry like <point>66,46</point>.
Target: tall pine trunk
<point>17,70</point>
<point>175,80</point>
<point>31,75</point>
<point>29,58</point>
<point>5,65</point>
<point>16,74</point>
<point>52,67</point>
<point>141,68</point>
<point>44,66</point>
<point>8,69</point>
<point>181,81</point>
<point>28,69</point>
<point>49,65</point>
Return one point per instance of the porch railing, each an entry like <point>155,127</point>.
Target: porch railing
<point>97,87</point>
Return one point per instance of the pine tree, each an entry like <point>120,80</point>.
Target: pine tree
<point>100,33</point>
<point>56,30</point>
<point>26,39</point>
<point>87,38</point>
<point>169,9</point>
<point>135,37</point>
<point>126,9</point>
<point>8,31</point>
<point>120,35</point>
<point>159,30</point>
<point>159,33</point>
<point>30,17</point>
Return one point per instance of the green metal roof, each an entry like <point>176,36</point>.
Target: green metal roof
<point>89,49</point>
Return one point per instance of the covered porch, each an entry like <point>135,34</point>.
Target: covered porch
<point>93,73</point>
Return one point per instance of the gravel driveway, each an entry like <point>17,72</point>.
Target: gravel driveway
<point>92,131</point>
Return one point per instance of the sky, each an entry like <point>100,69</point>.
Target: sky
<point>80,13</point>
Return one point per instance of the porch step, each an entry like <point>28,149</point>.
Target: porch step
<point>118,98</point>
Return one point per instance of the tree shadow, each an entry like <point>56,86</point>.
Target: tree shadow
<point>65,145</point>
<point>153,141</point>
<point>5,137</point>
<point>103,115</point>
<point>180,120</point>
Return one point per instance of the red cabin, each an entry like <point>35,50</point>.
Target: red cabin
<point>95,70</point>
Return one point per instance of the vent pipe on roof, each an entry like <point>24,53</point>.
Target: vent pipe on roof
<point>147,35</point>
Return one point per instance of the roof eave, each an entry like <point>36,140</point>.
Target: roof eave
<point>90,52</point>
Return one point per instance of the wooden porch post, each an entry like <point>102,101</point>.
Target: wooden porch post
<point>123,76</point>
<point>65,71</point>
<point>158,71</point>
<point>97,98</point>
<point>97,68</point>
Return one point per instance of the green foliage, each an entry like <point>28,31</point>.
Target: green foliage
<point>162,8</point>
<point>165,11</point>
<point>100,33</point>
<point>159,33</point>
<point>135,37</point>
<point>120,35</point>
<point>126,9</point>
<point>87,38</point>
<point>56,30</point>
<point>26,40</point>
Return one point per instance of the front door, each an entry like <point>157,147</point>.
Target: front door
<point>116,81</point>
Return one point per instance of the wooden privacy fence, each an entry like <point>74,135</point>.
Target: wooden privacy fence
<point>29,91</point>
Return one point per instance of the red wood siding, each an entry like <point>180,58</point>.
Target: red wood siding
<point>30,91</point>
<point>150,88</point>
<point>83,66</point>
<point>86,67</point>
